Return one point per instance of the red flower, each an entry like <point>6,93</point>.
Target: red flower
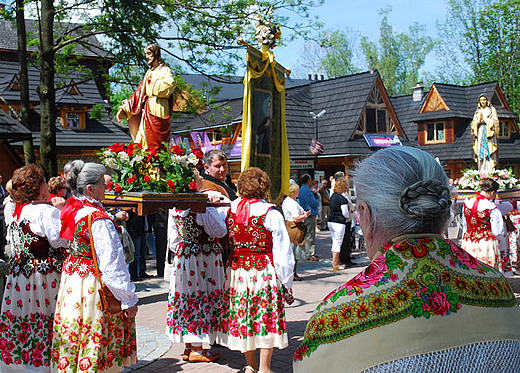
<point>117,188</point>
<point>198,153</point>
<point>193,185</point>
<point>110,356</point>
<point>116,148</point>
<point>85,363</point>
<point>438,303</point>
<point>177,150</point>
<point>171,185</point>
<point>152,154</point>
<point>131,149</point>
<point>110,185</point>
<point>132,179</point>
<point>146,178</point>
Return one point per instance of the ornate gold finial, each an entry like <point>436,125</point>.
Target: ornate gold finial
<point>266,32</point>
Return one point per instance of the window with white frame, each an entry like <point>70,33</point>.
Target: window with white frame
<point>435,132</point>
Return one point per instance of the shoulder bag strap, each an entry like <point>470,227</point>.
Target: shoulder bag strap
<point>94,256</point>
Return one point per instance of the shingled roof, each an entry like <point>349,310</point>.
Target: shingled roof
<point>343,98</point>
<point>230,87</point>
<point>89,47</point>
<point>12,129</point>
<point>98,133</point>
<point>462,102</point>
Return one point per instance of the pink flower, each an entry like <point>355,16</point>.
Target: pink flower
<point>439,303</point>
<point>243,330</point>
<point>192,326</point>
<point>257,328</point>
<point>19,303</point>
<point>25,356</point>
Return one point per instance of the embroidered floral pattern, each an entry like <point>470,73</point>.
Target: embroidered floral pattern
<point>421,278</point>
<point>193,313</point>
<point>193,238</point>
<point>259,262</point>
<point>479,226</point>
<point>23,339</point>
<point>247,314</point>
<point>32,252</point>
<point>114,333</point>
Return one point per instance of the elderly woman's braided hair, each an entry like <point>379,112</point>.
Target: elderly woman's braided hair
<point>406,189</point>
<point>82,174</point>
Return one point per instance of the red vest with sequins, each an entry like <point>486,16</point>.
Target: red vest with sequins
<point>80,254</point>
<point>252,244</point>
<point>478,225</point>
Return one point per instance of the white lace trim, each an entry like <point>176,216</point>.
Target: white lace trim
<point>496,357</point>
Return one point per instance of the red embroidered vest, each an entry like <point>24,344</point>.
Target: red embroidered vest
<point>32,252</point>
<point>80,254</point>
<point>478,225</point>
<point>252,244</point>
<point>193,238</point>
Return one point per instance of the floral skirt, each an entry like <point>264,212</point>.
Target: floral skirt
<point>194,300</point>
<point>253,313</point>
<point>86,339</point>
<point>487,251</point>
<point>26,322</point>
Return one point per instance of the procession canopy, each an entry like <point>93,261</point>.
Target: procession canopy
<point>264,133</point>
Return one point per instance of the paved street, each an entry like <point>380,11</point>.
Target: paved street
<point>156,355</point>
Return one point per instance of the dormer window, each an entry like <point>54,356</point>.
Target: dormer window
<point>496,102</point>
<point>505,130</point>
<point>375,118</point>
<point>435,133</point>
<point>73,118</point>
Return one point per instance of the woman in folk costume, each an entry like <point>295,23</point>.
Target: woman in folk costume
<point>484,230</point>
<point>423,304</point>
<point>34,275</point>
<point>85,338</point>
<point>261,266</point>
<point>197,279</point>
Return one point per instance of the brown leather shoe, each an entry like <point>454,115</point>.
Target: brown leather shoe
<point>186,354</point>
<point>204,356</point>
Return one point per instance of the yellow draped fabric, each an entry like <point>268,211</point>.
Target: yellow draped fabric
<point>256,70</point>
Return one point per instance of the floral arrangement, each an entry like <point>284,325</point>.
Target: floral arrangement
<point>265,31</point>
<point>471,179</point>
<point>165,171</point>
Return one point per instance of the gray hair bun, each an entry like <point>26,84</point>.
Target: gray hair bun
<point>425,199</point>
<point>72,177</point>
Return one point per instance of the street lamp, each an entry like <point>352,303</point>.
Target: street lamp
<point>316,117</point>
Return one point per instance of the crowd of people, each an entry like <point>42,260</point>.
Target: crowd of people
<point>231,271</point>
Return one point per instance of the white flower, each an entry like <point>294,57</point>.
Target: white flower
<point>136,159</point>
<point>192,159</point>
<point>123,156</point>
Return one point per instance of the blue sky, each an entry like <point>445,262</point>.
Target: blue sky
<point>363,16</point>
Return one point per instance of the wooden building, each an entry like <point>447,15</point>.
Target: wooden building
<point>77,135</point>
<point>357,107</point>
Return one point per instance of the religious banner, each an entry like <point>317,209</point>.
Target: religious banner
<point>264,134</point>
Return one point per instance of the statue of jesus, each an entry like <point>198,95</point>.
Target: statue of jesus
<point>148,110</point>
<point>484,130</point>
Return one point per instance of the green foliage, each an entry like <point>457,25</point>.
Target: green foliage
<point>331,53</point>
<point>398,56</point>
<point>481,43</point>
<point>97,112</point>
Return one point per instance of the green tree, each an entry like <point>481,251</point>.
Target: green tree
<point>331,53</point>
<point>398,56</point>
<point>480,42</point>
<point>198,33</point>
